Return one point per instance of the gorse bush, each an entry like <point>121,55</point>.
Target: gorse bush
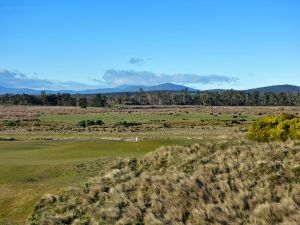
<point>272,128</point>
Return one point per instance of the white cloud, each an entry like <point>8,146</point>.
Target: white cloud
<point>15,79</point>
<point>120,77</point>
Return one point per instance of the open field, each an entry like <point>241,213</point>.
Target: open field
<point>44,150</point>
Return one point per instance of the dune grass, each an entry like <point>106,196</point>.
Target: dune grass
<point>244,183</point>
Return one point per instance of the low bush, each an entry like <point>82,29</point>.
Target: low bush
<point>82,123</point>
<point>270,128</point>
<point>127,124</point>
<point>90,122</point>
<point>87,123</point>
<point>99,122</point>
<point>11,123</point>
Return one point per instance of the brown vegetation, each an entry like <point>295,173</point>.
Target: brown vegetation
<point>17,112</point>
<point>245,183</point>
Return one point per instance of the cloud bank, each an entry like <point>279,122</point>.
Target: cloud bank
<point>15,79</point>
<point>111,78</point>
<point>130,77</point>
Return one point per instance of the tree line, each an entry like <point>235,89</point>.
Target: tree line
<point>184,97</point>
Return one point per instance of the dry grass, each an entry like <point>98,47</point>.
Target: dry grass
<point>19,112</point>
<point>245,183</point>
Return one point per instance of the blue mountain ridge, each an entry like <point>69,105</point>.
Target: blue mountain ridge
<point>135,88</point>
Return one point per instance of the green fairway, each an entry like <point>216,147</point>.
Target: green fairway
<point>29,169</point>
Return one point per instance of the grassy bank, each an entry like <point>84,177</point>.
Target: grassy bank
<point>242,183</point>
<point>31,168</point>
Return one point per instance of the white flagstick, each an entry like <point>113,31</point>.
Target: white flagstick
<point>137,142</point>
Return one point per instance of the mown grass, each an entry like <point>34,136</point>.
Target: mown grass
<point>28,169</point>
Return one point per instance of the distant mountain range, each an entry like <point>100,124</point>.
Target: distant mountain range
<point>276,88</point>
<point>123,88</point>
<point>135,88</point>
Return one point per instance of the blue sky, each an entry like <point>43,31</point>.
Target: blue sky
<point>201,43</point>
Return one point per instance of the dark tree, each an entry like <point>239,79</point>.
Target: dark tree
<point>83,103</point>
<point>99,101</point>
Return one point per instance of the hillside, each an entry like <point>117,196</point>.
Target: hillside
<point>4,90</point>
<point>276,88</point>
<point>135,88</point>
<point>246,183</point>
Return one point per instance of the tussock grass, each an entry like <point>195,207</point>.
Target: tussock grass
<point>245,183</point>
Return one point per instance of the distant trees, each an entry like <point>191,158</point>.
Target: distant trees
<point>225,98</point>
<point>142,98</point>
<point>99,100</point>
<point>82,102</point>
<point>66,100</point>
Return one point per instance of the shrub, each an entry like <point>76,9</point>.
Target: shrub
<point>99,122</point>
<point>272,128</point>
<point>166,125</point>
<point>82,123</point>
<point>11,123</point>
<point>295,128</point>
<point>90,122</point>
<point>86,123</point>
<point>127,124</point>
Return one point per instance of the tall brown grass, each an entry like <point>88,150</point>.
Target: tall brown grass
<point>246,183</point>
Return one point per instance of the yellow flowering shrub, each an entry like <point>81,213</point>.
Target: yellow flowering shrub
<point>272,128</point>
